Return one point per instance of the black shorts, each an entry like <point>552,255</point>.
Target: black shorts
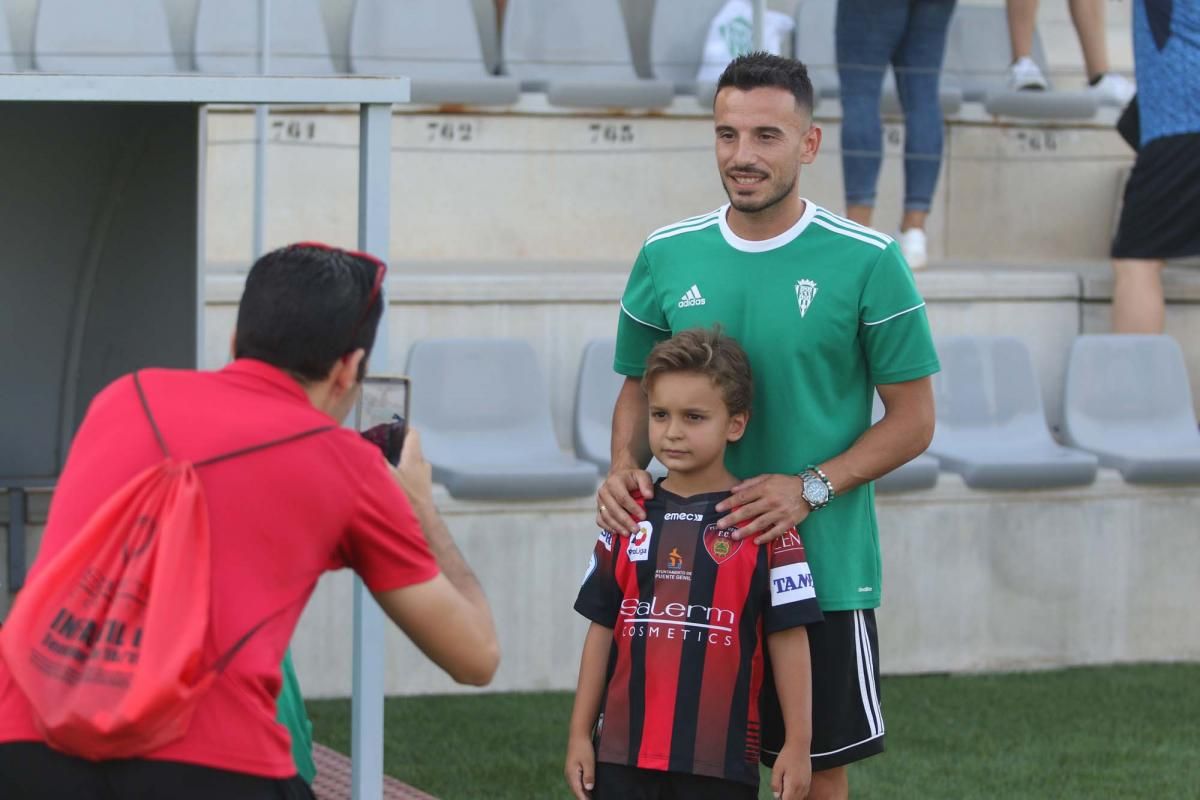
<point>847,721</point>
<point>619,782</point>
<point>1161,215</point>
<point>33,771</point>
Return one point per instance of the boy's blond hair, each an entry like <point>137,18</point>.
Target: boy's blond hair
<point>708,352</point>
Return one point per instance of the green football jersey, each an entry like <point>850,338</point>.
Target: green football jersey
<point>825,311</point>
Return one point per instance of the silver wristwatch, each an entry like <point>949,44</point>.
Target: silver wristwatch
<point>818,491</point>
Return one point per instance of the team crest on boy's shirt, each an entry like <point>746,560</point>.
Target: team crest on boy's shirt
<point>806,292</point>
<point>720,544</point>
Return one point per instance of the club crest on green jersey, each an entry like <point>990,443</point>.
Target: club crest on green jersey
<point>806,290</point>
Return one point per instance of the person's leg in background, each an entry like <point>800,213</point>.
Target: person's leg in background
<point>1088,18</point>
<point>1024,72</point>
<point>1138,305</point>
<point>918,67</point>
<point>868,32</point>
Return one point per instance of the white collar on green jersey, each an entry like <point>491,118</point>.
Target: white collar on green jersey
<point>762,246</point>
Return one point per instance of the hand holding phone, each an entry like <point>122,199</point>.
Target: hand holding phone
<point>381,395</point>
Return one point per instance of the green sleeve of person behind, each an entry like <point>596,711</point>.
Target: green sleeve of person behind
<point>291,714</point>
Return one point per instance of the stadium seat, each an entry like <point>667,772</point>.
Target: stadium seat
<point>815,45</point>
<point>7,62</point>
<point>920,473</point>
<point>226,38</point>
<point>990,425</point>
<point>577,52</point>
<point>483,411</point>
<point>1127,399</point>
<point>434,42</point>
<point>978,56</point>
<point>677,35</point>
<point>115,37</point>
<point>595,394</point>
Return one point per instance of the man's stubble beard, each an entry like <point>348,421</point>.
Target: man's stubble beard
<point>766,204</point>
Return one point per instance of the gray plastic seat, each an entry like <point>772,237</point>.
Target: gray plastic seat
<point>114,37</point>
<point>577,52</point>
<point>816,46</point>
<point>595,394</point>
<point>677,36</point>
<point>483,411</point>
<point>978,56</point>
<point>991,428</point>
<point>1127,399</point>
<point>226,38</point>
<point>920,473</point>
<point>434,42</point>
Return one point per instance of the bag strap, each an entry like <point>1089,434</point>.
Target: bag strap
<point>162,444</point>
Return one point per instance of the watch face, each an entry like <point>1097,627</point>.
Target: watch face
<point>815,491</point>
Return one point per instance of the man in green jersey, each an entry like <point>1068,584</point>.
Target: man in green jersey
<point>828,312</point>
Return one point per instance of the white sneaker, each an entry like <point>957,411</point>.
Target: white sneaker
<point>914,247</point>
<point>1024,74</point>
<point>1114,90</point>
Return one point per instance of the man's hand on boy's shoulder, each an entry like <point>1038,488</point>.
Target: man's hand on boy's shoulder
<point>581,766</point>
<point>766,506</point>
<point>618,502</point>
<point>791,776</point>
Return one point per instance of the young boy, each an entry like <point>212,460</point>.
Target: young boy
<point>672,665</point>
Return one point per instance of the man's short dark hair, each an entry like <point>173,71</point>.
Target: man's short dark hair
<point>306,306</point>
<point>759,69</point>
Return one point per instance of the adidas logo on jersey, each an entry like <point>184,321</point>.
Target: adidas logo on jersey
<point>691,298</point>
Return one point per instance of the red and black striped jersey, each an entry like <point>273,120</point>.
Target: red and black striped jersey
<point>689,607</point>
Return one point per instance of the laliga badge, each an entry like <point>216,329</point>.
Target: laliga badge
<point>720,544</point>
<point>638,548</point>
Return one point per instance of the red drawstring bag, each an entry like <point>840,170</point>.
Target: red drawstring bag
<point>107,640</point>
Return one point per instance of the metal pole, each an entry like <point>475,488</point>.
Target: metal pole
<point>261,113</point>
<point>760,18</point>
<point>374,201</point>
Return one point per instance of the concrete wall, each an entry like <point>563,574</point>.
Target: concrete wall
<point>565,189</point>
<point>973,581</point>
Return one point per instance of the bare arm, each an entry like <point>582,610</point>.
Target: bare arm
<point>792,773</point>
<point>448,618</point>
<point>581,759</point>
<point>774,502</point>
<point>903,434</point>
<point>616,510</point>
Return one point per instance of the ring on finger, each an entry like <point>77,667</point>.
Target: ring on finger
<point>603,509</point>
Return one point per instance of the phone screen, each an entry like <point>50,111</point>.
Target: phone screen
<point>382,413</point>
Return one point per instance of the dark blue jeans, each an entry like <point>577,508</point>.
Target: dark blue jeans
<point>911,36</point>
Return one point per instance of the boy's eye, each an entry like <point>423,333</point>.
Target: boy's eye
<point>695,417</point>
<point>658,414</point>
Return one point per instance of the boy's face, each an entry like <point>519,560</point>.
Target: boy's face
<point>689,422</point>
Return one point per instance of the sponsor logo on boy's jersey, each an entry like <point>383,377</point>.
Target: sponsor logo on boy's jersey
<point>638,548</point>
<point>790,583</point>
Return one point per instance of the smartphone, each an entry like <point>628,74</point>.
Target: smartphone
<point>382,413</point>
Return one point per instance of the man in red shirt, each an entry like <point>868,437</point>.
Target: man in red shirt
<point>279,518</point>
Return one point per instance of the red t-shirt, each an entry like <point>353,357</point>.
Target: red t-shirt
<point>279,518</point>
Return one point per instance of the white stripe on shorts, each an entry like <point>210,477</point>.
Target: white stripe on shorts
<point>860,622</point>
